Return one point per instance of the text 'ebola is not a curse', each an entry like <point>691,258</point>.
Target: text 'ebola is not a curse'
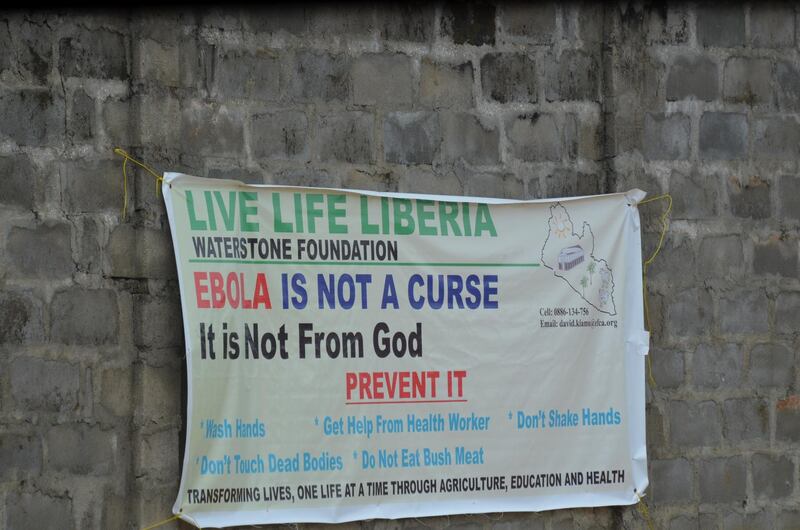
<point>238,290</point>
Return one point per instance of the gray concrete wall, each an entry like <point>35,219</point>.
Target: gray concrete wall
<point>481,99</point>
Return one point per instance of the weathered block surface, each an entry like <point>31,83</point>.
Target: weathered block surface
<point>27,246</point>
<point>84,316</point>
<point>411,138</point>
<point>382,79</point>
<point>509,77</point>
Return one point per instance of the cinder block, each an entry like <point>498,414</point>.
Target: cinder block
<point>787,420</point>
<point>38,510</point>
<point>573,76</point>
<point>694,196</point>
<point>80,118</point>
<point>514,521</point>
<point>751,199</point>
<point>281,135</point>
<point>683,522</point>
<point>773,476</point>
<point>584,135</point>
<point>717,365</point>
<point>744,311</point>
<point>212,130</point>
<point>18,178</point>
<point>772,365</point>
<point>32,117</point>
<point>509,77</point>
<point>493,184</point>
<point>676,263</point>
<point>720,25</point>
<point>723,479</point>
<point>465,137</point>
<point>89,253</point>
<point>694,424</point>
<point>788,519</point>
<point>469,23</point>
<point>158,120</point>
<point>736,520</point>
<point>772,26</point>
<point>411,137</point>
<point>160,394</point>
<point>535,137</point>
<point>669,25</point>
<point>155,322</point>
<point>240,74</point>
<point>44,385</point>
<point>116,394</point>
<point>776,257</point>
<point>535,22</point>
<point>693,76</point>
<point>672,481</point>
<point>276,18</point>
<point>27,246</point>
<point>345,137</point>
<point>382,79</point>
<point>789,196</point>
<point>337,21</point>
<point>563,182</point>
<point>559,522</point>
<point>422,179</point>
<point>721,257</point>
<point>28,47</point>
<point>20,318</point>
<point>141,253</point>
<point>787,85</point>
<point>723,136</point>
<point>444,85</point>
<point>197,57</point>
<point>746,419</point>
<point>84,316</point>
<point>159,63</point>
<point>412,22</point>
<point>747,80</point>
<point>588,26</point>
<point>668,367</point>
<point>654,427</point>
<point>776,138</point>
<point>319,76</point>
<point>98,53</point>
<point>689,312</point>
<point>116,121</point>
<point>116,511</point>
<point>20,456</point>
<point>666,137</point>
<point>93,186</point>
<point>157,456</point>
<point>81,449</point>
<point>787,312</point>
<point>152,502</point>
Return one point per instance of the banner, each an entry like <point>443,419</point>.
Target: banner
<point>356,355</point>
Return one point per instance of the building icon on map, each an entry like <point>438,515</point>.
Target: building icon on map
<point>569,257</point>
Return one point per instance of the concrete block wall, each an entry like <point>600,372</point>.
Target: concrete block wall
<point>494,99</point>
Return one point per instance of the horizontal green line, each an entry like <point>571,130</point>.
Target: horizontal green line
<point>364,263</point>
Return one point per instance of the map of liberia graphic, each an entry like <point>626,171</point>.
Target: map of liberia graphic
<point>570,255</point>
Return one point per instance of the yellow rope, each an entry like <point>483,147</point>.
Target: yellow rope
<point>127,157</point>
<point>648,261</point>
<point>664,225</point>
<point>162,523</point>
<point>642,507</point>
<point>125,189</point>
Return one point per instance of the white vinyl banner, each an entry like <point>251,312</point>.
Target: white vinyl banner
<point>357,355</point>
